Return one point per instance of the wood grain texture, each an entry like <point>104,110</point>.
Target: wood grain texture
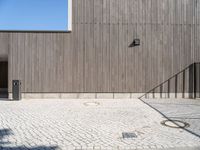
<point>96,56</point>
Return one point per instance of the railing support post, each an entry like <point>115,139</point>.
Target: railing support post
<point>183,90</point>
<point>195,81</point>
<point>168,90</point>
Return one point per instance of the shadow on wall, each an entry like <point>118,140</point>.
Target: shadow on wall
<point>8,132</point>
<point>194,80</point>
<point>184,82</point>
<point>190,82</point>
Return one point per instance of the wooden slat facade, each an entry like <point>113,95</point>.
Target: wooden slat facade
<point>96,57</point>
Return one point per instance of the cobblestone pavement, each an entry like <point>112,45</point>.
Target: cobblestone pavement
<point>76,124</point>
<point>182,109</point>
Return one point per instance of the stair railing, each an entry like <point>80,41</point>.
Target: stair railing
<point>190,83</point>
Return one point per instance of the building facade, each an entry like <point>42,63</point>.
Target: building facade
<point>99,55</point>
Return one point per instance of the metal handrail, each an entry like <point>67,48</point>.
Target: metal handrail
<point>175,76</point>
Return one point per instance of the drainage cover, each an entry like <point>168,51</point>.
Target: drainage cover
<point>128,135</point>
<point>91,104</point>
<point>175,124</point>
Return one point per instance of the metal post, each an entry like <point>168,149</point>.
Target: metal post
<point>16,90</point>
<point>195,81</point>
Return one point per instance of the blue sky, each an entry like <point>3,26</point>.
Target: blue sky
<point>39,15</point>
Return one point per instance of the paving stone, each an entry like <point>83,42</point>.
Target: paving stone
<point>69,124</point>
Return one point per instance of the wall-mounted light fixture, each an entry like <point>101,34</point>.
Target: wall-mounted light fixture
<point>136,42</point>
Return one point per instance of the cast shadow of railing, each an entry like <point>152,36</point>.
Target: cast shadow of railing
<point>163,107</point>
<point>184,84</point>
<point>5,145</point>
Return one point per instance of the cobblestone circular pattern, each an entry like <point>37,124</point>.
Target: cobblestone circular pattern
<point>175,124</point>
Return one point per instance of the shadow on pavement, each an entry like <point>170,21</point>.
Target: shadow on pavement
<point>25,148</point>
<point>182,110</point>
<point>8,132</point>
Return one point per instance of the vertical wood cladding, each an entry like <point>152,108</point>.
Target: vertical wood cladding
<point>96,57</point>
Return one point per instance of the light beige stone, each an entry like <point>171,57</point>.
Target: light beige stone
<point>51,95</point>
<point>69,96</point>
<point>136,95</point>
<point>23,95</point>
<point>179,95</point>
<point>187,95</point>
<point>172,95</point>
<point>32,96</point>
<point>122,95</point>
<point>105,95</point>
<point>86,96</point>
<point>190,95</point>
<point>164,95</point>
<point>10,96</point>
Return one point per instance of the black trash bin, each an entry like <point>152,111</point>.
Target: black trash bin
<point>16,90</point>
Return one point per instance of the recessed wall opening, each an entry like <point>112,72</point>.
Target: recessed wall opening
<point>3,79</point>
